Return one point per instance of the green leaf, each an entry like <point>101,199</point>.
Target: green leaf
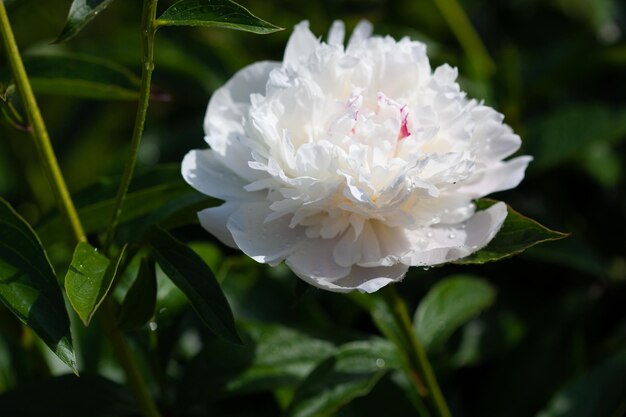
<point>352,373</point>
<point>81,13</point>
<point>273,357</point>
<point>154,195</point>
<point>383,316</point>
<point>517,234</point>
<point>69,396</point>
<point>214,13</point>
<point>189,272</point>
<point>274,368</point>
<point>448,305</point>
<point>89,279</point>
<point>599,393</point>
<point>568,132</point>
<point>11,108</point>
<point>6,91</point>
<point>80,76</point>
<point>140,301</point>
<point>28,285</point>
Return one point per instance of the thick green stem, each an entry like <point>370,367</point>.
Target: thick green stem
<point>39,131</point>
<point>467,36</point>
<point>125,356</point>
<point>420,372</point>
<point>148,28</point>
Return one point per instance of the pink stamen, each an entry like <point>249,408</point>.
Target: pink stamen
<point>356,119</point>
<point>404,130</point>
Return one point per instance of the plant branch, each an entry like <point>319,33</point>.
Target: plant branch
<point>390,308</point>
<point>148,31</point>
<point>125,356</point>
<point>39,131</point>
<point>48,159</point>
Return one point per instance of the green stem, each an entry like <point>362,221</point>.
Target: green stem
<point>51,166</point>
<point>420,371</point>
<point>39,131</point>
<point>148,27</point>
<point>467,36</point>
<point>125,356</point>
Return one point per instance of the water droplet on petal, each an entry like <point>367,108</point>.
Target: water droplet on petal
<point>429,234</point>
<point>451,236</point>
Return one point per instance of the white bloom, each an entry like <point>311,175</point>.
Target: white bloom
<point>352,163</point>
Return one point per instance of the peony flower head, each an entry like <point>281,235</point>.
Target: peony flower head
<point>352,163</point>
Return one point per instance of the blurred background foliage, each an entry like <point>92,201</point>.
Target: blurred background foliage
<point>549,338</point>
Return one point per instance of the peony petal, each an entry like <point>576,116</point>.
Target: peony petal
<point>348,250</point>
<point>500,177</point>
<point>361,32</point>
<point>391,244</point>
<point>300,45</point>
<point>267,242</point>
<point>204,171</point>
<point>223,120</point>
<point>229,102</point>
<point>370,279</point>
<point>314,261</point>
<point>214,220</point>
<point>336,33</point>
<point>445,244</point>
<point>504,145</point>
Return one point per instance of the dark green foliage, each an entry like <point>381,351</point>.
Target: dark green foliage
<point>214,13</point>
<point>517,234</point>
<point>76,75</point>
<point>81,13</point>
<point>448,305</point>
<point>28,286</point>
<point>140,301</point>
<point>541,333</point>
<point>69,396</point>
<point>89,279</point>
<point>189,272</point>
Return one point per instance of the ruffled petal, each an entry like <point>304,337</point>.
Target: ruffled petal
<point>361,32</point>
<point>336,33</point>
<point>301,44</point>
<point>229,103</point>
<point>223,122</point>
<point>437,245</point>
<point>500,177</point>
<point>204,171</point>
<point>370,279</point>
<point>214,220</point>
<point>267,242</point>
<point>315,263</point>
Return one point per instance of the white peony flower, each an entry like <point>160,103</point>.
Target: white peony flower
<point>352,163</point>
